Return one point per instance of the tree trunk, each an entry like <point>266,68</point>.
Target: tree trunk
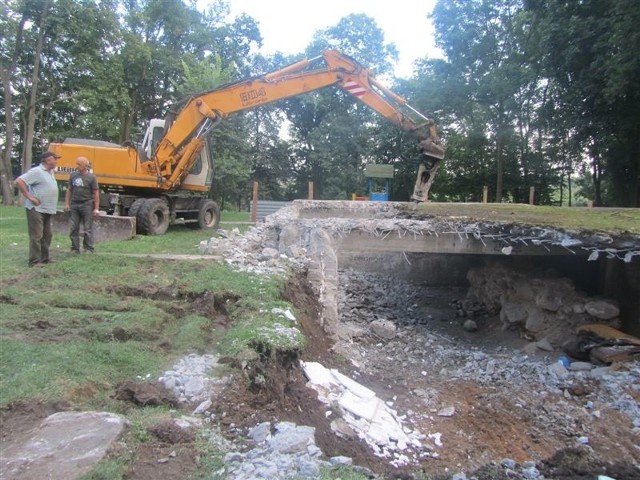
<point>635,168</point>
<point>597,183</point>
<point>500,169</point>
<point>31,108</point>
<point>6,170</point>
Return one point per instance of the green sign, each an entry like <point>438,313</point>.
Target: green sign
<point>372,170</point>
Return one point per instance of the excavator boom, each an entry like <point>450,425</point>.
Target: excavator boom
<point>177,151</point>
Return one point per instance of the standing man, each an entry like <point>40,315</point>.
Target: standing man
<point>83,201</point>
<point>40,189</point>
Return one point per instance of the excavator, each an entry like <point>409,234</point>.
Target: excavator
<point>165,179</point>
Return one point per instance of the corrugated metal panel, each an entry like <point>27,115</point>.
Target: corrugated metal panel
<point>267,207</point>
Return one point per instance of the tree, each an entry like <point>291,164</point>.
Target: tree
<point>13,22</point>
<point>587,50</point>
<point>485,46</point>
<point>331,132</point>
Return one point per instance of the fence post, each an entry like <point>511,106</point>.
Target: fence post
<point>532,191</point>
<point>310,195</point>
<point>485,194</point>
<point>254,203</point>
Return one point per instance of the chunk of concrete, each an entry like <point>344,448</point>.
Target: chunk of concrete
<point>105,227</point>
<point>513,313</point>
<point>65,445</point>
<point>602,309</point>
<point>384,329</point>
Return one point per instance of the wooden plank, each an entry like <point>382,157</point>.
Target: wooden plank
<point>609,333</point>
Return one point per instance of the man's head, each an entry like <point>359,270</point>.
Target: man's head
<point>49,160</point>
<point>83,164</point>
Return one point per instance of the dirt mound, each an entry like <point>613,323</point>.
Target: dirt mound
<point>145,394</point>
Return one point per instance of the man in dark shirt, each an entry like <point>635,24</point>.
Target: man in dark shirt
<point>82,200</point>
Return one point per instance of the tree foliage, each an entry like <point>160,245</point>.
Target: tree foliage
<point>530,93</point>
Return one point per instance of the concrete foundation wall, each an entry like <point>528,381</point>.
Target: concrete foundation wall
<point>430,269</point>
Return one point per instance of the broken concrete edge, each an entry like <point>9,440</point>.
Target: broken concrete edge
<point>385,218</point>
<point>105,227</point>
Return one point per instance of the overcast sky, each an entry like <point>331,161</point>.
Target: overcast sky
<point>288,25</point>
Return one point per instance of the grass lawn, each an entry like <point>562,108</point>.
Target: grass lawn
<point>58,322</point>
<point>614,220</point>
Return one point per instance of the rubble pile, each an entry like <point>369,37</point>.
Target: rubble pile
<point>541,306</point>
<point>363,414</point>
<point>386,331</point>
<point>416,349</point>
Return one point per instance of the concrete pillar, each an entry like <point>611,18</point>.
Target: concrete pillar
<point>310,196</point>
<point>532,191</point>
<point>485,194</point>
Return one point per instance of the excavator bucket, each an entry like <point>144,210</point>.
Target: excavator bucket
<point>105,227</point>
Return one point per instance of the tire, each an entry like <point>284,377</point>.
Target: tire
<point>208,215</point>
<point>134,209</point>
<point>153,217</point>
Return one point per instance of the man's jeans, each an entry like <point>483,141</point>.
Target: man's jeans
<point>40,234</point>
<point>81,214</point>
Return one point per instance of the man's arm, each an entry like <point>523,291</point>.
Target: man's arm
<point>96,202</point>
<point>67,198</point>
<point>96,198</point>
<point>22,186</point>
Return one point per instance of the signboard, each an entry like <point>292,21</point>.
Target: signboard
<point>372,170</point>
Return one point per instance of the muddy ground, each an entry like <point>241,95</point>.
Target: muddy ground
<point>490,424</point>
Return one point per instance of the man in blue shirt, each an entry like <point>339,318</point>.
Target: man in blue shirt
<point>40,189</point>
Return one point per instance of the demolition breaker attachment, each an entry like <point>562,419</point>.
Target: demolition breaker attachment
<point>432,156</point>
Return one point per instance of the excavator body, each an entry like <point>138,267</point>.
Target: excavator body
<point>166,179</point>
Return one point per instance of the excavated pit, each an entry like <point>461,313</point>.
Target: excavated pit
<point>456,325</point>
<point>460,324</point>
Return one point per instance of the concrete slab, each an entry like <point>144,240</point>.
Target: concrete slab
<point>106,227</point>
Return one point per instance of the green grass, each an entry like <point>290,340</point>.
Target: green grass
<point>613,220</point>
<point>87,322</point>
<point>50,371</point>
<point>73,330</point>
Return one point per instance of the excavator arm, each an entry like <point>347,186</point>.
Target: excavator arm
<point>179,148</point>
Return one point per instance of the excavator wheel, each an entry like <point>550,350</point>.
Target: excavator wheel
<point>134,209</point>
<point>208,215</point>
<point>153,217</point>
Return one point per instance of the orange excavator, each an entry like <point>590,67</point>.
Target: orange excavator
<point>165,179</point>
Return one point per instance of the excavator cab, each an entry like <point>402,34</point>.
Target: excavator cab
<point>152,137</point>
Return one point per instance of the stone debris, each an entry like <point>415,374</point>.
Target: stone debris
<point>191,381</point>
<point>543,306</point>
<point>367,415</point>
<point>282,450</point>
<point>65,445</point>
<point>501,368</point>
<point>447,412</point>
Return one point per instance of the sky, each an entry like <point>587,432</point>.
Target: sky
<point>288,25</point>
